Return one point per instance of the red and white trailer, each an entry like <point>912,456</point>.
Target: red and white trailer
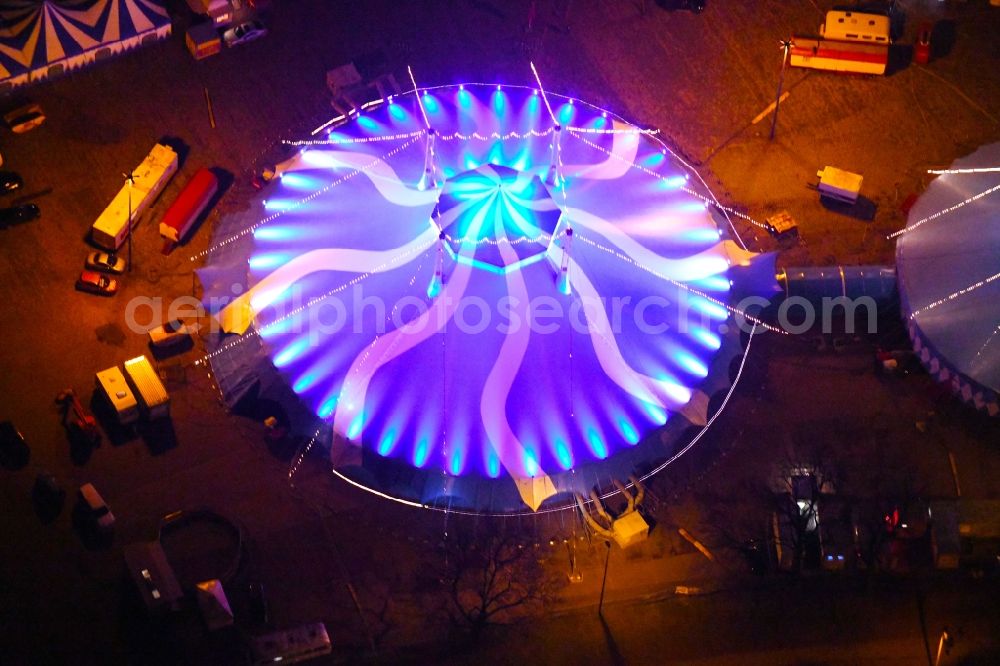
<point>839,56</point>
<point>848,41</point>
<point>188,207</point>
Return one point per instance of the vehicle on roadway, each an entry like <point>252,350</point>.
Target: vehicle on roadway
<point>18,215</point>
<point>111,385</point>
<point>10,436</point>
<point>145,383</point>
<point>169,334</point>
<point>9,182</point>
<point>47,490</point>
<point>97,508</point>
<point>137,194</point>
<point>188,207</point>
<point>106,262</point>
<point>25,118</point>
<point>694,6</point>
<point>14,450</point>
<point>243,33</point>
<point>93,282</point>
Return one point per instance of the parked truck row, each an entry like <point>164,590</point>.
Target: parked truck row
<point>138,193</point>
<point>136,392</point>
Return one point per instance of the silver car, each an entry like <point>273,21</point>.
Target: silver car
<point>169,334</point>
<point>106,263</point>
<point>244,32</point>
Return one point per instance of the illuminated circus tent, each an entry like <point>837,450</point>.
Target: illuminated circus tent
<point>949,277</point>
<point>489,298</point>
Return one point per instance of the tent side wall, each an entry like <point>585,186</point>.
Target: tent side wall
<point>965,388</point>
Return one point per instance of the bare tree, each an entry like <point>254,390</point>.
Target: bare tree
<point>492,579</point>
<point>775,501</point>
<point>880,481</point>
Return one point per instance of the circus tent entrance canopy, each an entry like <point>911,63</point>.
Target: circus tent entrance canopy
<point>39,39</point>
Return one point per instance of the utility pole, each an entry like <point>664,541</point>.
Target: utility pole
<point>785,45</point>
<point>130,181</point>
<point>604,580</point>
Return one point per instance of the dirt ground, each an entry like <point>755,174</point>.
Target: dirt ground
<point>701,79</point>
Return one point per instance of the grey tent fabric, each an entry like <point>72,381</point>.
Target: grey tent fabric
<point>948,264</point>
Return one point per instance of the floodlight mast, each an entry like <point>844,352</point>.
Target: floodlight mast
<point>129,181</point>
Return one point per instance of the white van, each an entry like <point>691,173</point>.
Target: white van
<point>112,385</point>
<point>147,385</point>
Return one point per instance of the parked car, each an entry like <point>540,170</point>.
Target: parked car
<point>97,283</point>
<point>98,509</point>
<point>257,605</point>
<point>9,181</point>
<point>18,215</point>
<point>169,334</point>
<point>14,451</point>
<point>47,490</point>
<point>10,436</point>
<point>695,6</point>
<point>245,32</point>
<point>105,262</point>
<point>25,118</point>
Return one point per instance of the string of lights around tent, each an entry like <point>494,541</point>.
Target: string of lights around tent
<point>943,212</point>
<point>938,215</point>
<point>409,139</point>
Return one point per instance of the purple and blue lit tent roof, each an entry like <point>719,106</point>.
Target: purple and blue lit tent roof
<point>391,279</point>
<point>949,277</point>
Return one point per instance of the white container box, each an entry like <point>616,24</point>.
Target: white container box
<point>839,184</point>
<point>111,383</point>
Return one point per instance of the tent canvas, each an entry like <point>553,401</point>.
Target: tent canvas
<point>946,260</point>
<point>40,38</point>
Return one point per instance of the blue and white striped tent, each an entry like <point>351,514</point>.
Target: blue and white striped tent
<point>43,38</point>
